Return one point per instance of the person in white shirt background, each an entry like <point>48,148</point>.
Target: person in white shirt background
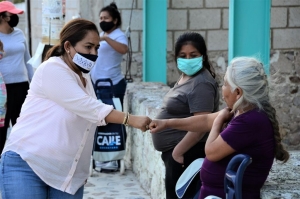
<point>16,72</point>
<point>48,152</point>
<point>113,45</point>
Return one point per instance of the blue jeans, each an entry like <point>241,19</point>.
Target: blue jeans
<point>17,180</point>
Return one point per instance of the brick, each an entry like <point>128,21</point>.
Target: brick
<point>172,72</point>
<point>217,40</point>
<point>205,19</point>
<point>133,67</point>
<point>140,4</point>
<point>135,41</point>
<point>294,17</point>
<point>121,4</point>
<point>187,4</point>
<point>178,33</point>
<point>278,17</point>
<point>285,2</point>
<point>142,42</point>
<point>217,3</point>
<point>286,38</point>
<point>169,41</point>
<point>136,19</point>
<point>225,19</point>
<point>177,19</point>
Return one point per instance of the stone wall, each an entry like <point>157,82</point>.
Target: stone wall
<point>146,99</point>
<point>141,157</point>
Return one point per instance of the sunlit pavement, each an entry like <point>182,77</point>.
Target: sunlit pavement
<point>113,185</point>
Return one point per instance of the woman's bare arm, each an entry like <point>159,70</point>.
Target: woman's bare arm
<point>117,46</point>
<point>189,140</point>
<point>197,123</point>
<point>216,148</point>
<point>140,122</point>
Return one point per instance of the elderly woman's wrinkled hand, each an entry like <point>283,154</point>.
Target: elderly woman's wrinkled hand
<point>224,115</point>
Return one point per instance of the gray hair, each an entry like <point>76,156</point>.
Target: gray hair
<point>247,73</point>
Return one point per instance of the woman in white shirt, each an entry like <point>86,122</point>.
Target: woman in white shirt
<point>113,45</point>
<point>48,151</point>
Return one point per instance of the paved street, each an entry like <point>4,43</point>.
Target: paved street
<point>113,185</point>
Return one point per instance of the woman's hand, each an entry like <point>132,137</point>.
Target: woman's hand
<point>139,122</point>
<point>102,38</point>
<point>224,116</point>
<point>157,125</point>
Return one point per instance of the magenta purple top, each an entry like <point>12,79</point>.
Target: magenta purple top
<point>250,133</point>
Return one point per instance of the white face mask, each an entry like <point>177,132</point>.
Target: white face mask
<point>85,62</point>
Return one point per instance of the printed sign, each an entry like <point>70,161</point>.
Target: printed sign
<point>110,138</point>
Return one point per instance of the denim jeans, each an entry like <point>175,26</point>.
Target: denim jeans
<point>17,180</point>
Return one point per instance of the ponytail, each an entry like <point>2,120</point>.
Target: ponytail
<point>56,50</point>
<point>280,153</point>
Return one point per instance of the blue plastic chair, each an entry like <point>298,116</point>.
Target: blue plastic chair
<point>233,179</point>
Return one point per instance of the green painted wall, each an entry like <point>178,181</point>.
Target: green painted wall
<point>249,29</point>
<point>155,41</point>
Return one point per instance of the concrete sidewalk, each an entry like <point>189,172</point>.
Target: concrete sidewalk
<point>113,185</point>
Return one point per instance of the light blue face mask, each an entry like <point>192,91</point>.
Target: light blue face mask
<point>190,66</point>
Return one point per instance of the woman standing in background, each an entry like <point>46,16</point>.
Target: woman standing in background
<point>195,93</point>
<point>113,45</point>
<point>14,67</point>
